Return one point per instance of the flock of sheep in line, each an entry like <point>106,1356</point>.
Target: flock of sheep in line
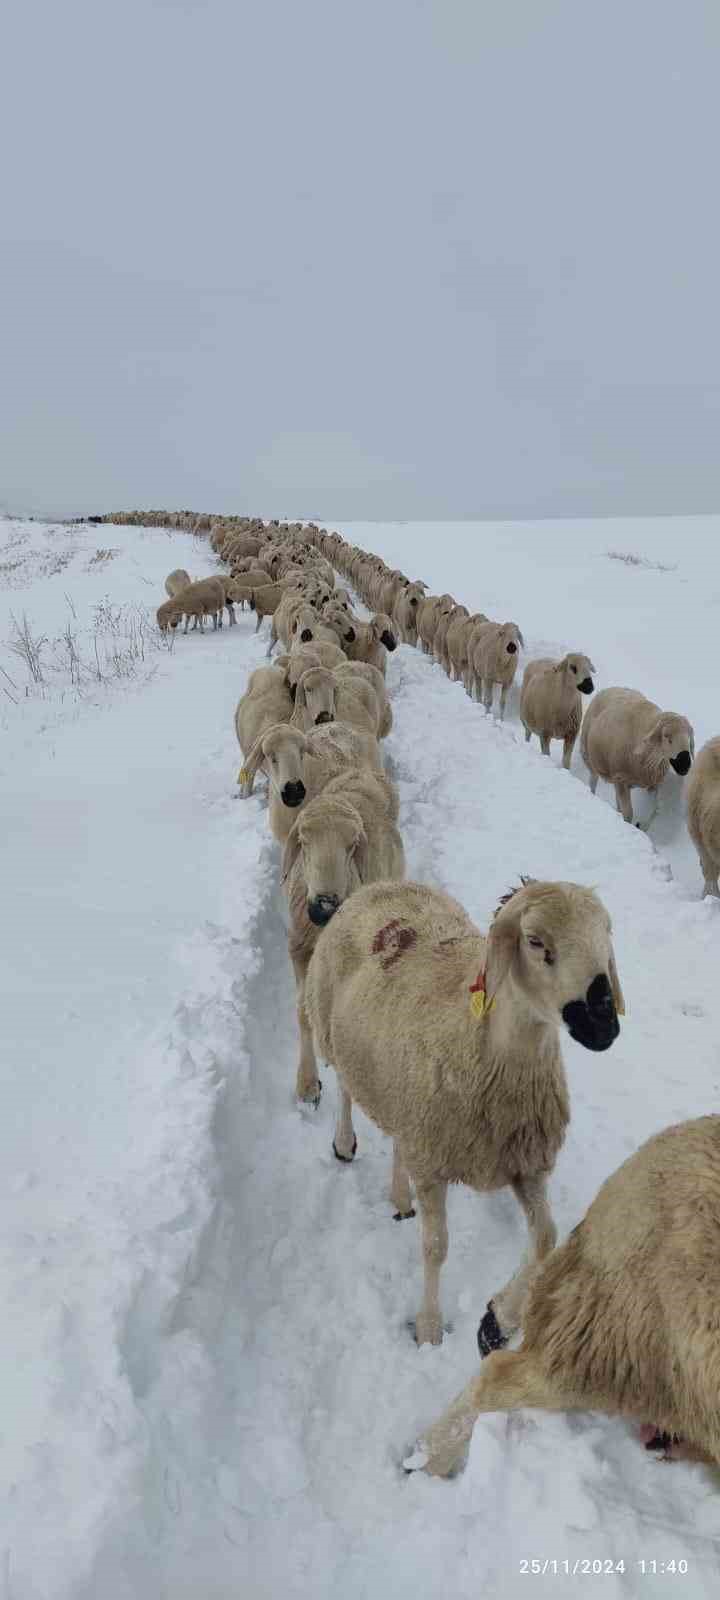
<point>458,1056</point>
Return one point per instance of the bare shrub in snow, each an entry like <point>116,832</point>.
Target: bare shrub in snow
<point>28,647</point>
<point>638,561</point>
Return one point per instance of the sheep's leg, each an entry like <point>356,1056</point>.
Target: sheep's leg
<point>307,1084</point>
<point>432,1202</point>
<point>508,1381</point>
<point>214,616</point>
<point>544,744</point>
<point>344,1143</point>
<point>528,733</point>
<point>710,874</point>
<point>568,747</point>
<point>231,615</point>
<point>503,698</point>
<point>624,802</point>
<point>505,1311</point>
<point>487,695</point>
<point>185,629</point>
<point>259,620</point>
<point>400,1194</point>
<point>646,824</point>
<point>593,782</point>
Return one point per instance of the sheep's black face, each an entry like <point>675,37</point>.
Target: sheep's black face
<point>593,1021</point>
<point>306,635</point>
<point>322,716</point>
<point>587,686</point>
<point>512,648</point>
<point>413,601</point>
<point>293,794</point>
<point>388,639</point>
<point>322,908</point>
<point>682,763</point>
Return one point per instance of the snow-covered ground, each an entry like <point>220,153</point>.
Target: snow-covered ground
<point>208,1382</point>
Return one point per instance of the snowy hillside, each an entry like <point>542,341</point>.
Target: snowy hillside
<point>208,1382</point>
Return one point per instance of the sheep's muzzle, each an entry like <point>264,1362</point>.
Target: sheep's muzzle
<point>293,794</point>
<point>306,636</point>
<point>512,648</point>
<point>587,686</point>
<point>322,908</point>
<point>388,639</point>
<point>322,716</point>
<point>681,763</point>
<point>593,1022</point>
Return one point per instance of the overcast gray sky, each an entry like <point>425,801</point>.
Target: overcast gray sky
<point>361,258</point>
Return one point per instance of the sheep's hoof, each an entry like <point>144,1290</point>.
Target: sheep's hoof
<point>312,1099</point>
<point>336,1152</point>
<point>403,1216</point>
<point>489,1335</point>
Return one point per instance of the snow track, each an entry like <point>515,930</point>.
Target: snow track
<point>253,1360</point>
<point>279,1423</point>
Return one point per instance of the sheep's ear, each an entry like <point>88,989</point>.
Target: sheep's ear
<point>290,853</point>
<point>692,744</point>
<point>520,637</point>
<point>360,855</point>
<point>617,994</point>
<point>592,665</point>
<point>503,942</point>
<point>250,766</point>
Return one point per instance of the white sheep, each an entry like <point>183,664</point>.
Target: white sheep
<point>493,658</point>
<point>176,580</point>
<point>450,1042</point>
<point>199,600</point>
<point>372,641</point>
<point>363,671</point>
<point>298,765</point>
<point>266,702</point>
<point>703,813</point>
<point>345,837</point>
<point>551,700</point>
<point>622,1317</point>
<point>631,743</point>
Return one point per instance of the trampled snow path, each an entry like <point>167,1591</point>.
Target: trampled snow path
<point>218,1317</point>
<point>290,1385</point>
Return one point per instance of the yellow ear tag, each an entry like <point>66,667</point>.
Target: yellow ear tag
<point>243,776</point>
<point>479,1003</point>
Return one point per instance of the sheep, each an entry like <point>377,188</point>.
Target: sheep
<point>314,699</point>
<point>335,616</point>
<point>319,653</point>
<point>434,607</point>
<point>176,580</point>
<point>372,641</point>
<point>630,742</point>
<point>493,658</point>
<point>444,623</point>
<point>351,672</point>
<point>703,813</point>
<point>205,598</point>
<point>622,1317</point>
<point>457,646</point>
<point>294,619</point>
<point>265,600</point>
<point>298,766</point>
<point>449,1042</point>
<point>405,612</point>
<point>345,837</point>
<point>550,700</point>
<point>266,702</point>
